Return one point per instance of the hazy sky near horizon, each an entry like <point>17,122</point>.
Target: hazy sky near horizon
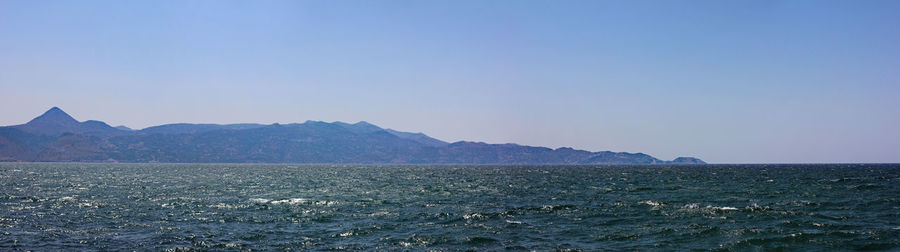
<point>725,81</point>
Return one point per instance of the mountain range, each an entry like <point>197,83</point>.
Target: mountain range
<point>57,137</point>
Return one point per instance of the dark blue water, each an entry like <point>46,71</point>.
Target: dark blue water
<point>239,207</point>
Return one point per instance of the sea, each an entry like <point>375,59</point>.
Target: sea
<point>223,207</point>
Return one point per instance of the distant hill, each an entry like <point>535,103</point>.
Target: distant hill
<point>55,122</point>
<point>56,136</point>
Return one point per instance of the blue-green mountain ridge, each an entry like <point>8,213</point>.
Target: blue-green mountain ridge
<point>57,137</point>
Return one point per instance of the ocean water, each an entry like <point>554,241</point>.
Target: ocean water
<point>61,206</point>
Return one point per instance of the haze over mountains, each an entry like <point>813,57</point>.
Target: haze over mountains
<point>57,137</point>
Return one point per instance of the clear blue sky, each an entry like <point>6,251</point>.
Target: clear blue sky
<point>726,81</point>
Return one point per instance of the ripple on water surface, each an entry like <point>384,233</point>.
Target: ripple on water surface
<point>321,207</point>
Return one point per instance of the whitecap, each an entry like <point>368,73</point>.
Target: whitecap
<point>514,222</point>
<point>227,206</point>
<point>290,201</point>
<point>651,203</point>
<point>276,202</point>
<point>260,200</point>
<point>725,208</point>
<point>473,216</point>
<point>757,207</point>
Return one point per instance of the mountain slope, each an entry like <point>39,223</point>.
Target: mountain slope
<point>418,137</point>
<point>188,128</point>
<point>17,145</point>
<point>365,127</point>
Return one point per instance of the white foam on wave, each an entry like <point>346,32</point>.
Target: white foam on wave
<point>290,201</point>
<point>88,205</point>
<point>694,206</point>
<point>228,206</point>
<point>652,203</point>
<point>260,200</point>
<point>725,208</point>
<point>276,202</point>
<point>473,216</point>
<point>68,198</point>
<point>757,207</point>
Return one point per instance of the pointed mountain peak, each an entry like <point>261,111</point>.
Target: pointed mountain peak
<point>55,121</point>
<point>52,122</point>
<point>54,116</point>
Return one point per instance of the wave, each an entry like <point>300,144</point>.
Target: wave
<point>724,208</point>
<point>260,200</point>
<point>652,203</point>
<point>291,201</point>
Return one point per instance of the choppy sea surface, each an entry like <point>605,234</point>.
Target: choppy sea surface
<point>72,206</point>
